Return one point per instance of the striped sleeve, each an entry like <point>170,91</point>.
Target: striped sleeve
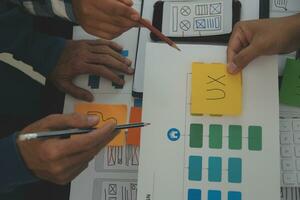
<point>48,8</point>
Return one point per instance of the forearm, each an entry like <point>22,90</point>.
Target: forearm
<point>48,8</point>
<point>13,171</point>
<point>19,38</point>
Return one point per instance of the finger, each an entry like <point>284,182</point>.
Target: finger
<point>115,46</point>
<point>111,62</point>
<point>120,9</point>
<point>77,92</point>
<point>103,49</point>
<point>74,120</point>
<point>59,122</point>
<point>127,2</point>
<point>236,43</point>
<point>85,142</point>
<point>242,59</point>
<point>103,71</point>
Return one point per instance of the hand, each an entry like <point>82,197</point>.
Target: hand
<point>105,18</point>
<point>61,160</point>
<point>97,57</point>
<point>251,39</point>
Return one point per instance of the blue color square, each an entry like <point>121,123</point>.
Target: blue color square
<point>138,102</point>
<point>125,53</point>
<point>214,195</point>
<point>234,170</point>
<point>194,194</point>
<point>234,195</point>
<point>214,169</point>
<point>195,168</point>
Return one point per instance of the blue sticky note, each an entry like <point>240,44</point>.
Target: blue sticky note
<point>234,170</point>
<point>125,53</point>
<point>214,169</point>
<point>234,195</point>
<point>214,195</point>
<point>194,194</point>
<point>195,168</point>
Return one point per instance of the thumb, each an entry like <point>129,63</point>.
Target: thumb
<point>242,59</point>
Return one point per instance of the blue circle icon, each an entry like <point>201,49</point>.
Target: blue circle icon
<point>173,134</point>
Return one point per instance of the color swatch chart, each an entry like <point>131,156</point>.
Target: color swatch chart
<point>213,136</point>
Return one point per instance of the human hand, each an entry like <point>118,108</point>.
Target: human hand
<point>251,39</point>
<point>106,19</point>
<point>61,160</point>
<point>97,57</point>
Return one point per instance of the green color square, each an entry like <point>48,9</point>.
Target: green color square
<point>235,137</point>
<point>290,87</point>
<point>215,136</point>
<point>196,135</point>
<point>255,138</point>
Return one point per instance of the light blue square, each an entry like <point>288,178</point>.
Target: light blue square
<point>194,194</point>
<point>214,195</point>
<point>234,195</point>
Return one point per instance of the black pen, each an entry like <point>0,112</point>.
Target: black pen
<point>67,133</point>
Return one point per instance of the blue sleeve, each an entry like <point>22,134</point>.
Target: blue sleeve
<point>13,171</point>
<point>18,37</point>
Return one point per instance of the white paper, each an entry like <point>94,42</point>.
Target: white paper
<point>163,172</point>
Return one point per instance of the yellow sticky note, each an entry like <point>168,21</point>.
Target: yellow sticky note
<point>215,91</point>
<point>106,112</point>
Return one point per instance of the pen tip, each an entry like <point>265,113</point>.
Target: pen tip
<point>147,124</point>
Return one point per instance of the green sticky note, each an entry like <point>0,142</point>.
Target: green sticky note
<point>235,137</point>
<point>196,135</point>
<point>290,87</point>
<point>255,138</point>
<point>215,136</point>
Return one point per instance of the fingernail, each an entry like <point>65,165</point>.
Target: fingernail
<point>231,68</point>
<point>93,119</point>
<point>130,70</point>
<point>135,17</point>
<point>128,62</point>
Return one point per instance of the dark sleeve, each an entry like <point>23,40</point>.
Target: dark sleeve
<point>13,171</point>
<point>18,37</point>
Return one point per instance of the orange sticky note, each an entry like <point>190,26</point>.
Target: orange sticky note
<point>215,91</point>
<point>134,134</point>
<point>106,112</point>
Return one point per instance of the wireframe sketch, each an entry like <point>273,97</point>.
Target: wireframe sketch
<point>282,4</point>
<point>106,189</point>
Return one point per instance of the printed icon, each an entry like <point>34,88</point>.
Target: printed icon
<point>185,25</point>
<point>112,189</point>
<point>185,10</point>
<point>201,10</point>
<point>215,8</point>
<point>281,4</point>
<point>207,23</point>
<point>173,134</point>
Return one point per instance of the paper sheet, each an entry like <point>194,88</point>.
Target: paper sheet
<point>133,135</point>
<point>165,172</point>
<point>290,87</point>
<point>281,8</point>
<point>197,18</point>
<point>215,91</point>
